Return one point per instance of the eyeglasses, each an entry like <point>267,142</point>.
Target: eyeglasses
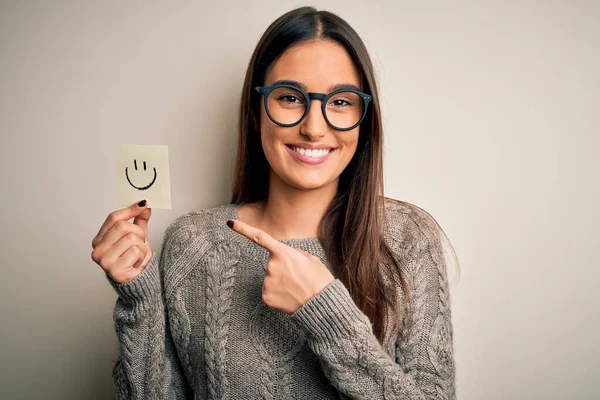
<point>287,105</point>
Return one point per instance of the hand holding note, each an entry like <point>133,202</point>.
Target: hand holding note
<point>121,248</point>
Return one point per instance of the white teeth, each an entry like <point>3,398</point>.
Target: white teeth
<point>312,153</point>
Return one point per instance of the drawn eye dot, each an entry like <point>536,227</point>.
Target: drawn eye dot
<point>135,164</point>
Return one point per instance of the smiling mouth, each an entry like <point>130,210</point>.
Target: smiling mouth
<point>310,156</point>
<point>315,153</point>
<point>144,187</point>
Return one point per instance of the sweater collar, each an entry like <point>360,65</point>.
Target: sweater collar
<point>312,245</point>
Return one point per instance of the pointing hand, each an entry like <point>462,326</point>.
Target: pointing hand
<point>293,276</point>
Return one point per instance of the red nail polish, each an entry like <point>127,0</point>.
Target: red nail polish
<point>230,224</point>
<point>142,203</point>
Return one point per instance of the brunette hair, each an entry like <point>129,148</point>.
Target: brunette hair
<point>351,230</point>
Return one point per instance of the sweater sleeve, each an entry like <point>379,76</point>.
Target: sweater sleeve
<point>341,335</point>
<point>147,366</point>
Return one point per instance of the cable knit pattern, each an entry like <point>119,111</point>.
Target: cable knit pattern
<point>277,356</point>
<point>180,327</point>
<point>192,325</point>
<point>219,285</point>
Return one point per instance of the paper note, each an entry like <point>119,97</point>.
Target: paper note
<point>143,173</point>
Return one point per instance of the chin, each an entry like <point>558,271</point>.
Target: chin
<point>308,182</point>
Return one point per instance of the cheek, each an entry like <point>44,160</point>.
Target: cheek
<point>349,145</point>
<point>272,136</point>
<point>271,139</point>
<point>266,125</point>
<point>268,129</point>
<point>354,145</point>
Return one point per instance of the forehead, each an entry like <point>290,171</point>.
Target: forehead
<point>318,64</point>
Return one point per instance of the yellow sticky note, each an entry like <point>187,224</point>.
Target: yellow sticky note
<point>143,173</point>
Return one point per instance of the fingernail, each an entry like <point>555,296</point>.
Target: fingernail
<point>142,203</point>
<point>230,224</point>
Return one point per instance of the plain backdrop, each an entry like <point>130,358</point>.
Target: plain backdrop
<point>491,117</point>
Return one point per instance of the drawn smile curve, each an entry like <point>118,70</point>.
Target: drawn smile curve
<point>141,188</point>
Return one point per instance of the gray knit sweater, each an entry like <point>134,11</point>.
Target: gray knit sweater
<point>193,324</point>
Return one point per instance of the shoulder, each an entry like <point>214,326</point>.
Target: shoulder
<point>407,225</point>
<point>196,231</point>
<point>206,220</point>
<point>414,234</point>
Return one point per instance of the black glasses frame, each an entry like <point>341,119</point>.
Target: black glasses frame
<point>266,91</point>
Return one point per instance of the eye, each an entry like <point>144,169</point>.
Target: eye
<point>290,98</point>
<point>341,103</point>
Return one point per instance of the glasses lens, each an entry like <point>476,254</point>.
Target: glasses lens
<point>286,105</point>
<point>344,109</point>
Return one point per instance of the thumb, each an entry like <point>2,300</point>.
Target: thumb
<point>142,219</point>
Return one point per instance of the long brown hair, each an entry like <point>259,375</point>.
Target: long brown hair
<point>351,230</point>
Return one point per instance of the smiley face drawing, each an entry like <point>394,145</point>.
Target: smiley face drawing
<point>137,169</point>
<point>142,187</point>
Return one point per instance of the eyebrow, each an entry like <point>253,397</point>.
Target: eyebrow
<point>302,86</point>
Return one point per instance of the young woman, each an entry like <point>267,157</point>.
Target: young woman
<point>310,284</point>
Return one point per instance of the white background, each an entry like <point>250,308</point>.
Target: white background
<point>491,113</point>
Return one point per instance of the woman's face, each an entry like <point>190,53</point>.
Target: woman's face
<point>318,65</point>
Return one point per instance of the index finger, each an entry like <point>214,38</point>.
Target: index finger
<point>258,236</point>
<point>123,214</point>
<point>141,220</point>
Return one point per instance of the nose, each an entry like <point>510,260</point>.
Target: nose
<point>314,125</point>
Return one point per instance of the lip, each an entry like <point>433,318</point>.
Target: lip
<point>311,160</point>
<point>311,146</point>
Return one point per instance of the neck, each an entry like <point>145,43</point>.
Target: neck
<point>291,213</point>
